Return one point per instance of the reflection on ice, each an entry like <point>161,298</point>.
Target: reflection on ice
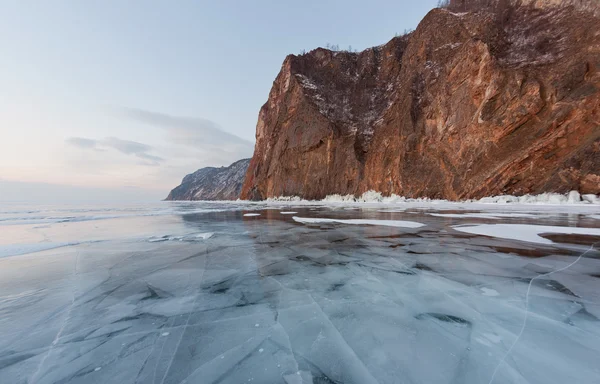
<point>385,223</point>
<point>487,215</point>
<point>399,296</point>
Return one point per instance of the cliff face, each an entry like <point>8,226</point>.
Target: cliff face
<point>210,183</point>
<point>471,104</point>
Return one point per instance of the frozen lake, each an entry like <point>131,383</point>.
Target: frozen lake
<point>300,293</point>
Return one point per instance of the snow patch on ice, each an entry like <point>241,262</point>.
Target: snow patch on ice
<point>386,223</point>
<point>288,213</point>
<point>493,338</point>
<point>489,292</point>
<point>251,214</point>
<point>191,237</point>
<point>524,232</point>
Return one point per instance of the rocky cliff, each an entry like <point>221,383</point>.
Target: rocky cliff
<point>211,183</point>
<point>479,100</point>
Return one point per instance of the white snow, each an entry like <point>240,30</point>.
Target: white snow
<point>493,338</point>
<point>572,198</point>
<point>524,232</point>
<point>386,223</point>
<point>597,217</point>
<point>489,292</point>
<point>449,45</point>
<point>251,214</point>
<point>288,213</point>
<point>529,204</point>
<point>190,237</point>
<point>458,14</point>
<point>339,198</point>
<point>306,82</point>
<point>592,199</point>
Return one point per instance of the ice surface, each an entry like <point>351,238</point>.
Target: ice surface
<point>524,232</point>
<point>195,293</point>
<point>385,223</point>
<point>22,249</point>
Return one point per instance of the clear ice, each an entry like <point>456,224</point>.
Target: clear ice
<point>204,293</point>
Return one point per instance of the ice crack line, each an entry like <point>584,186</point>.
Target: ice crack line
<point>527,307</point>
<point>38,371</point>
<point>187,321</point>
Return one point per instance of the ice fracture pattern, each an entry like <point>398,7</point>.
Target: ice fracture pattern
<point>205,293</point>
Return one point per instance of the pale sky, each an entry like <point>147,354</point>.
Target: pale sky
<point>136,94</point>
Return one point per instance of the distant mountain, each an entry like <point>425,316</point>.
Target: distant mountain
<point>212,183</point>
<point>485,97</point>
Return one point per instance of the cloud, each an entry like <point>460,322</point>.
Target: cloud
<point>133,148</point>
<point>154,159</point>
<point>180,145</point>
<point>188,131</point>
<point>126,147</point>
<point>82,142</point>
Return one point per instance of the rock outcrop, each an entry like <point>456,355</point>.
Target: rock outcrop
<point>500,99</point>
<point>224,183</point>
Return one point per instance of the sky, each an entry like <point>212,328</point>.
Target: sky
<point>130,96</point>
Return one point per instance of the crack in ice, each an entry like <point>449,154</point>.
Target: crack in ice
<point>35,375</point>
<point>507,354</point>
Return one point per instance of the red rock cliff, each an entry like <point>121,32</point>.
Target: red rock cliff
<point>471,104</point>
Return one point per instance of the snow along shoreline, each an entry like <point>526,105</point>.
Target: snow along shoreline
<point>572,202</point>
<point>571,198</point>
